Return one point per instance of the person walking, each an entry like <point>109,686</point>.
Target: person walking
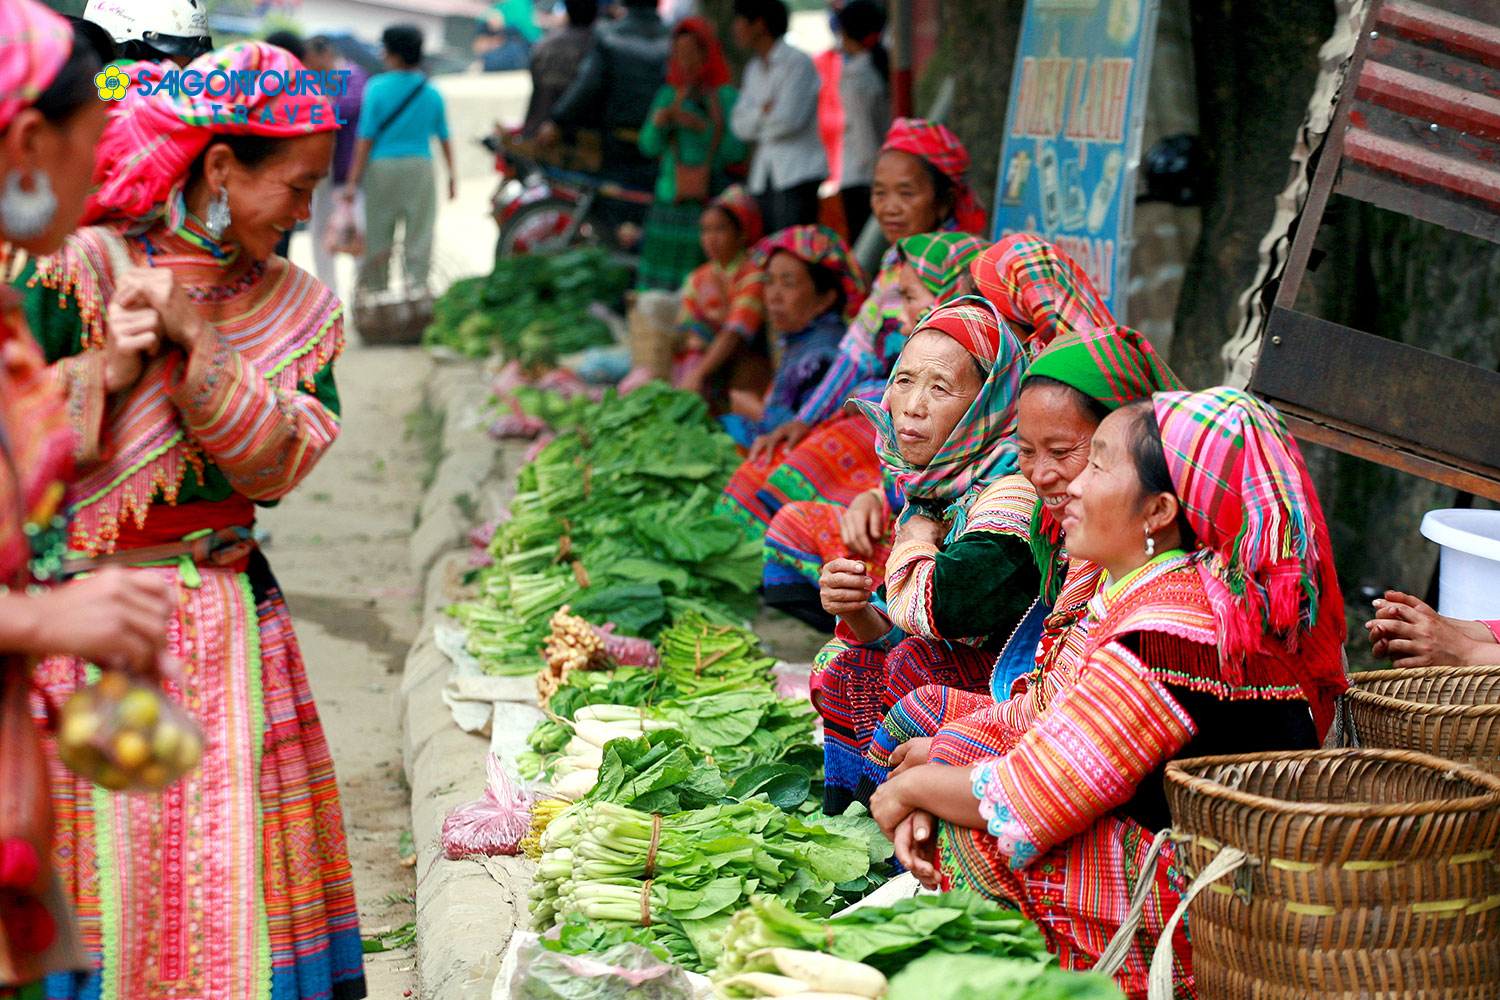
<point>398,119</point>
<point>865,94</point>
<point>778,111</point>
<point>555,61</point>
<point>322,57</point>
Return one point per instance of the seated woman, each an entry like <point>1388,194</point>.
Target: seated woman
<point>1041,291</point>
<point>721,321</point>
<point>811,285</point>
<point>808,533</point>
<point>920,187</point>
<point>1072,385</point>
<point>1409,633</point>
<point>944,429</point>
<point>1219,631</point>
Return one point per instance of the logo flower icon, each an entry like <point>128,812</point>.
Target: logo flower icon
<point>112,83</point>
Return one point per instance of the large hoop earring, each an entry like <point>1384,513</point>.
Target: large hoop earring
<point>27,214</point>
<point>218,215</point>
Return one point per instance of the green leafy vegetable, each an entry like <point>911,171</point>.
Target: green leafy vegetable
<point>946,976</point>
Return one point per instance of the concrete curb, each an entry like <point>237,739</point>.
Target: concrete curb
<point>467,908</point>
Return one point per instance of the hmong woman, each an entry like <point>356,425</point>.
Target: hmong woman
<point>920,187</point>
<point>807,533</point>
<point>812,284</point>
<point>50,119</point>
<point>945,429</point>
<point>721,317</point>
<point>1221,633</point>
<point>206,388</point>
<point>1072,385</point>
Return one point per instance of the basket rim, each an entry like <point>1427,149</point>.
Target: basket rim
<point>1357,680</point>
<point>1177,773</point>
<point>1425,708</point>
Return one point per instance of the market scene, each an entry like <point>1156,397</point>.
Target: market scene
<point>730,499</point>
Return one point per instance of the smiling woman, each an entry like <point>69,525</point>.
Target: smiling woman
<point>206,388</point>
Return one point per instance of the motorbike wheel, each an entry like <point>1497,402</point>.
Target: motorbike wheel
<point>541,226</point>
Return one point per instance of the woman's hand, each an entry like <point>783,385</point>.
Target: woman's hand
<point>895,800</point>
<point>116,619</point>
<point>916,847</point>
<point>844,587</point>
<point>864,523</point>
<point>1410,633</point>
<point>912,753</point>
<point>131,335</point>
<point>919,529</point>
<point>790,434</point>
<point>156,289</point>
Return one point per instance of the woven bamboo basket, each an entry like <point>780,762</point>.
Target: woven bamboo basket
<point>1451,712</point>
<point>1370,874</point>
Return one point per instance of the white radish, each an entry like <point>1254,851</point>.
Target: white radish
<point>600,733</point>
<point>620,715</point>
<point>767,984</point>
<point>576,785</point>
<point>589,759</point>
<point>827,972</point>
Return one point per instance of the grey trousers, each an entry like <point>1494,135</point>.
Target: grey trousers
<point>400,189</point>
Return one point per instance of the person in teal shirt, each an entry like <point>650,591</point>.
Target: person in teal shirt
<point>400,116</point>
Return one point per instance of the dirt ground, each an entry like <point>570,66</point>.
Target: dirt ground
<point>339,547</point>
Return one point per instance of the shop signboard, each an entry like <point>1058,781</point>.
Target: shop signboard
<point>1073,132</point>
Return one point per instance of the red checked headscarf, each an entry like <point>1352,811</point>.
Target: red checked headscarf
<point>1245,491</point>
<point>1039,287</point>
<point>938,145</point>
<point>36,43</point>
<point>821,246</point>
<point>715,72</point>
<point>150,142</point>
<point>746,211</point>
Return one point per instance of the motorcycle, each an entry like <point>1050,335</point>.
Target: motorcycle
<point>542,206</point>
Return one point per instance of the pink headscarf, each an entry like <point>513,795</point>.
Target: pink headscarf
<point>150,142</point>
<point>36,43</point>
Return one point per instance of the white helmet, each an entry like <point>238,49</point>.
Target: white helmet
<point>177,28</point>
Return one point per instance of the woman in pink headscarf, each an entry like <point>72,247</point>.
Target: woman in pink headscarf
<point>200,376</point>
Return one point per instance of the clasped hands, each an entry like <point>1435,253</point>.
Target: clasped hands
<point>148,313</point>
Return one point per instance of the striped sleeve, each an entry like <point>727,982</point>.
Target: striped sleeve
<point>1082,758</point>
<point>747,304</point>
<point>264,439</point>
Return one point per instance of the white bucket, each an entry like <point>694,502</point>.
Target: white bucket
<point>1469,584</point>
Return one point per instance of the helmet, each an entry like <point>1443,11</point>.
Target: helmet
<point>166,28</point>
<point>1173,171</point>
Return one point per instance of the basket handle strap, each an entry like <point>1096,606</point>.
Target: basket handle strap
<point>1229,859</point>
<point>1118,949</point>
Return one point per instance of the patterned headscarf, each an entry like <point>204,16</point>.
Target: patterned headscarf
<point>1269,571</point>
<point>981,447</point>
<point>150,142</point>
<point>1112,365</point>
<point>1039,287</point>
<point>746,211</point>
<point>937,144</point>
<point>36,43</point>
<point>939,259</point>
<point>821,246</point>
<point>715,72</point>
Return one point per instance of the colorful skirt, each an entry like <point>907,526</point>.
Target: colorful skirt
<point>802,537</point>
<point>861,684</point>
<point>234,883</point>
<point>1079,893</point>
<point>833,464</point>
<point>669,248</point>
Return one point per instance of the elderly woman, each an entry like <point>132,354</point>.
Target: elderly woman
<point>206,388</point>
<point>920,187</point>
<point>50,120</point>
<point>1219,631</point>
<point>806,534</point>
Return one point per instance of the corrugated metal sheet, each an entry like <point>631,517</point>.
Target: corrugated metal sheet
<point>1423,133</point>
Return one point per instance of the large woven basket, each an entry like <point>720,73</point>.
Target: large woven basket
<point>1370,874</point>
<point>1451,712</point>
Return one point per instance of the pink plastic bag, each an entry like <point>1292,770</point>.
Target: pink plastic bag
<point>492,824</point>
<point>346,229</point>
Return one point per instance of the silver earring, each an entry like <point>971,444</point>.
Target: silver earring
<point>27,214</point>
<point>1150,545</point>
<point>218,215</point>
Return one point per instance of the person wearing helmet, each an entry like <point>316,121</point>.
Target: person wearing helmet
<point>154,30</point>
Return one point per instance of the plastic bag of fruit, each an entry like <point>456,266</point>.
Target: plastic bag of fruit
<point>123,733</point>
<point>492,824</point>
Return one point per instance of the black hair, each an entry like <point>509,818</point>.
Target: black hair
<point>289,41</point>
<point>73,87</point>
<point>404,41</point>
<point>860,19</point>
<point>250,150</point>
<point>734,220</point>
<point>320,43</point>
<point>1150,460</point>
<point>582,13</point>
<point>1086,404</point>
<point>641,3</point>
<point>771,13</point>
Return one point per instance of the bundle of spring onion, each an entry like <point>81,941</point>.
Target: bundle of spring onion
<point>683,875</point>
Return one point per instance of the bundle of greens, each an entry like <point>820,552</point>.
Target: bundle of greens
<point>887,938</point>
<point>683,875</point>
<point>534,307</point>
<point>946,976</point>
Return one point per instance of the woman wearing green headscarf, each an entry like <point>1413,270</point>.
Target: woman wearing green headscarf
<point>804,535</point>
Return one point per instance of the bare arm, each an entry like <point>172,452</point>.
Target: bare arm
<point>357,168</point>
<point>448,161</point>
